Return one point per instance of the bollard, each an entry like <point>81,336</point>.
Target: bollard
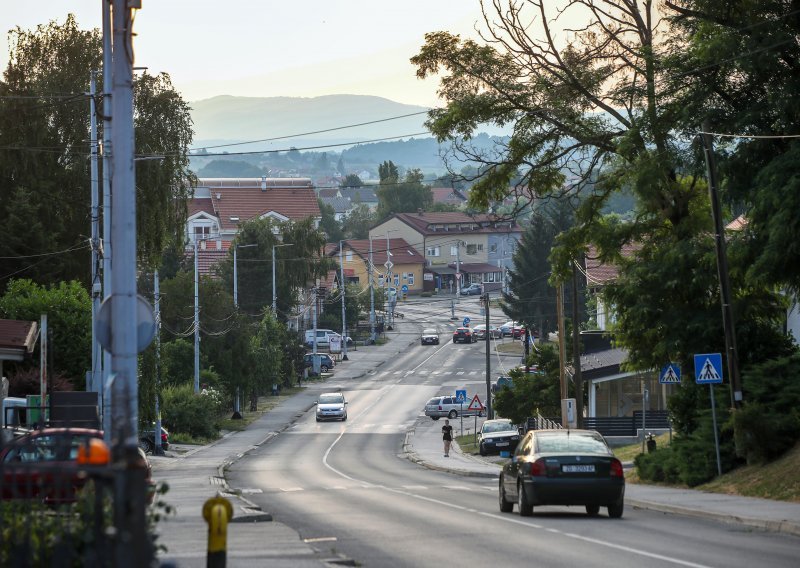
<point>217,512</point>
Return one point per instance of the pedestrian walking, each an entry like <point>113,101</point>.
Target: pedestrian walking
<point>447,436</point>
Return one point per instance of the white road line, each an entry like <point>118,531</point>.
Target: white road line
<point>290,489</point>
<point>459,372</point>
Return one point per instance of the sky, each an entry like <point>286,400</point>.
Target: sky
<point>266,48</point>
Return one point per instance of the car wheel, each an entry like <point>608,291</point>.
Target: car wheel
<point>525,508</point>
<point>318,420</point>
<point>615,509</point>
<point>482,450</point>
<point>452,414</point>
<point>592,510</point>
<point>434,418</point>
<point>345,418</point>
<point>505,505</point>
<point>323,368</point>
<point>147,445</point>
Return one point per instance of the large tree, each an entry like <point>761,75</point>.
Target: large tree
<point>44,161</point>
<point>406,196</point>
<point>357,223</point>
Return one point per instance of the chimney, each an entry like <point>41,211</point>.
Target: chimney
<point>419,212</point>
<point>219,244</point>
<point>203,244</point>
<point>263,183</point>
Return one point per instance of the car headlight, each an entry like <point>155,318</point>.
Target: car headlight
<point>515,437</point>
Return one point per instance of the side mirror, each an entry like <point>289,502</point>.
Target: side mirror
<point>346,402</point>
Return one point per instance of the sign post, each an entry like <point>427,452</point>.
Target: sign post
<point>477,406</point>
<point>708,370</point>
<point>461,397</point>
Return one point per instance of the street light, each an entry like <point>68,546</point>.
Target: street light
<point>236,273</point>
<point>274,292</point>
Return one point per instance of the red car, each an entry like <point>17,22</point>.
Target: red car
<point>43,465</point>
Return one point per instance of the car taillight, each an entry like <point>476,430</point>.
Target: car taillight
<point>163,437</point>
<point>538,468</point>
<point>616,468</point>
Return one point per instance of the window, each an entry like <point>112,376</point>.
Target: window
<point>472,249</point>
<point>480,248</point>
<point>410,278</point>
<point>348,256</point>
<point>493,248</point>
<point>405,276</point>
<point>453,250</point>
<point>397,280</point>
<point>432,251</point>
<point>202,232</point>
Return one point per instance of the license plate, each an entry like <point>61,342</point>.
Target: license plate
<point>502,443</point>
<point>577,468</point>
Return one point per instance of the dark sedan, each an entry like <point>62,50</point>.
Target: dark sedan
<point>463,335</point>
<point>563,467</point>
<point>497,436</point>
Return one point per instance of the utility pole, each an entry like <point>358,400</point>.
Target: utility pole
<point>391,300</point>
<point>196,322</point>
<point>235,279</point>
<point>562,354</point>
<point>371,297</point>
<point>129,511</point>
<point>489,409</point>
<point>315,366</point>
<point>105,388</point>
<point>344,311</point>
<point>157,449</point>
<point>728,322</point>
<point>97,353</point>
<point>458,271</point>
<point>576,347</point>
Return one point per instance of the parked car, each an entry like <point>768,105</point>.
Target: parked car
<point>501,382</point>
<point>463,335</point>
<point>323,338</point>
<point>472,290</point>
<point>430,337</point>
<point>448,406</point>
<point>480,331</point>
<point>43,466</point>
<point>563,467</point>
<point>513,329</point>
<point>326,362</point>
<point>497,436</point>
<point>331,406</point>
<point>147,439</point>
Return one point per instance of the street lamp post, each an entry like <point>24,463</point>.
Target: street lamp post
<point>274,290</point>
<point>236,273</point>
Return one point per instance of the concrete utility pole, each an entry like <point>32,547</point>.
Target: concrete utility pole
<point>105,388</point>
<point>562,351</point>
<point>728,322</point>
<point>93,385</point>
<point>129,509</point>
<point>196,321</point>
<point>458,271</point>
<point>489,409</point>
<point>371,297</point>
<point>344,310</point>
<point>576,347</point>
<point>391,300</point>
<point>157,449</point>
<point>315,366</point>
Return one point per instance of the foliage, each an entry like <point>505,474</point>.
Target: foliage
<point>357,223</point>
<point>266,348</point>
<point>328,223</point>
<point>532,393</point>
<point>48,190</point>
<point>185,412</point>
<point>229,169</point>
<point>69,312</point>
<point>177,361</point>
<point>351,180</point>
<point>406,196</point>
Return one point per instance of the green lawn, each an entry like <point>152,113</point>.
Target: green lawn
<point>629,452</point>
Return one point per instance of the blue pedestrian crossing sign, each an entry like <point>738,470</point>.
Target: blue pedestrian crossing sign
<point>708,368</point>
<point>670,374</point>
<point>461,396</point>
<point>466,322</point>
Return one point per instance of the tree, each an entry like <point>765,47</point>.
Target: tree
<point>532,393</point>
<point>387,172</point>
<point>351,180</point>
<point>69,313</point>
<point>340,165</point>
<point>532,297</point>
<point>407,196</point>
<point>229,169</point>
<point>328,223</point>
<point>357,223</point>
<point>45,133</point>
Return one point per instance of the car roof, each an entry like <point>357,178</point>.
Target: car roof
<point>429,330</point>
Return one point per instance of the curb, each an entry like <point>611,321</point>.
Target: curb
<point>413,457</point>
<point>783,527</point>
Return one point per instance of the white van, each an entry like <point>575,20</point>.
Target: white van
<point>322,337</point>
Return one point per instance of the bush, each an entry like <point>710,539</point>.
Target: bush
<point>185,412</point>
<point>763,435</point>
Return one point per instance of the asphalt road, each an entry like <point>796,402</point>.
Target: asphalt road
<point>346,488</point>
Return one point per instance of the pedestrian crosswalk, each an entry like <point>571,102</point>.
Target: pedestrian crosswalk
<point>426,372</point>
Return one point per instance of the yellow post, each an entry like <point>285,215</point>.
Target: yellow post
<point>217,511</point>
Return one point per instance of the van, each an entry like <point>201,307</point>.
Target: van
<point>322,337</point>
<point>14,411</point>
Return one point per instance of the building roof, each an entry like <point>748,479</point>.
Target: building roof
<point>401,251</point>
<point>339,204</point>
<point>209,254</point>
<point>428,223</point>
<point>447,195</point>
<point>234,201</point>
<point>360,194</point>
<point>328,192</point>
<point>17,339</point>
<point>599,272</point>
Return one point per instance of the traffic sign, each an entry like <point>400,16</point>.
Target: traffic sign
<point>458,276</point>
<point>404,288</point>
<point>708,368</point>
<point>466,322</point>
<point>475,404</point>
<point>670,374</point>
<point>461,396</point>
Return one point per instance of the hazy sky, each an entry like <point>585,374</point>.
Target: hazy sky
<point>273,47</point>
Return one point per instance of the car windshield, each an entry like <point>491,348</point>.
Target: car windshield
<point>330,398</point>
<point>566,442</point>
<point>498,427</point>
<point>433,401</point>
<point>429,332</point>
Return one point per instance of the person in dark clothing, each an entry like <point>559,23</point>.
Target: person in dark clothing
<point>447,436</point>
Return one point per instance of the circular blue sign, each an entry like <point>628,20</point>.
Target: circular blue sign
<point>466,321</point>
<point>404,288</point>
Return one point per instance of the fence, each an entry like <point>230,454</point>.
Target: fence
<point>628,425</point>
<point>541,423</point>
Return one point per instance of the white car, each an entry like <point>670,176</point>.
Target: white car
<point>331,406</point>
<point>430,337</point>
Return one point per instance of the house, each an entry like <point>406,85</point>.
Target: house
<point>448,196</point>
<point>341,206</point>
<point>406,269</point>
<point>220,205</point>
<point>17,340</point>
<point>361,195</point>
<point>481,247</point>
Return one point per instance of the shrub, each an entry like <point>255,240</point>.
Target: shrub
<point>189,413</point>
<point>763,435</point>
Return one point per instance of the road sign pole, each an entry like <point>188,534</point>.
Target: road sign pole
<point>714,419</point>
<point>461,417</point>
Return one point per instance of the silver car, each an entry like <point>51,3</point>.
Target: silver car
<point>449,407</point>
<point>430,337</point>
<point>331,406</point>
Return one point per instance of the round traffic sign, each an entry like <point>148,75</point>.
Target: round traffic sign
<point>466,321</point>
<point>404,288</point>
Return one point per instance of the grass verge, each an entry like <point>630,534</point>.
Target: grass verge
<point>514,347</point>
<point>629,452</point>
<point>467,443</point>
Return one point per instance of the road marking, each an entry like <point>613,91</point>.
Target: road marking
<point>418,487</point>
<point>397,372</point>
<point>290,489</point>
<point>459,372</point>
<point>320,539</point>
<point>473,372</point>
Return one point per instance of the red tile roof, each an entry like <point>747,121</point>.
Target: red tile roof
<point>208,257</point>
<point>18,336</point>
<point>402,252</point>
<point>599,273</point>
<point>447,195</point>
<point>201,204</point>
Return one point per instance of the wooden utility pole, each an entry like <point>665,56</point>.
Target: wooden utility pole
<point>576,347</point>
<point>562,355</point>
